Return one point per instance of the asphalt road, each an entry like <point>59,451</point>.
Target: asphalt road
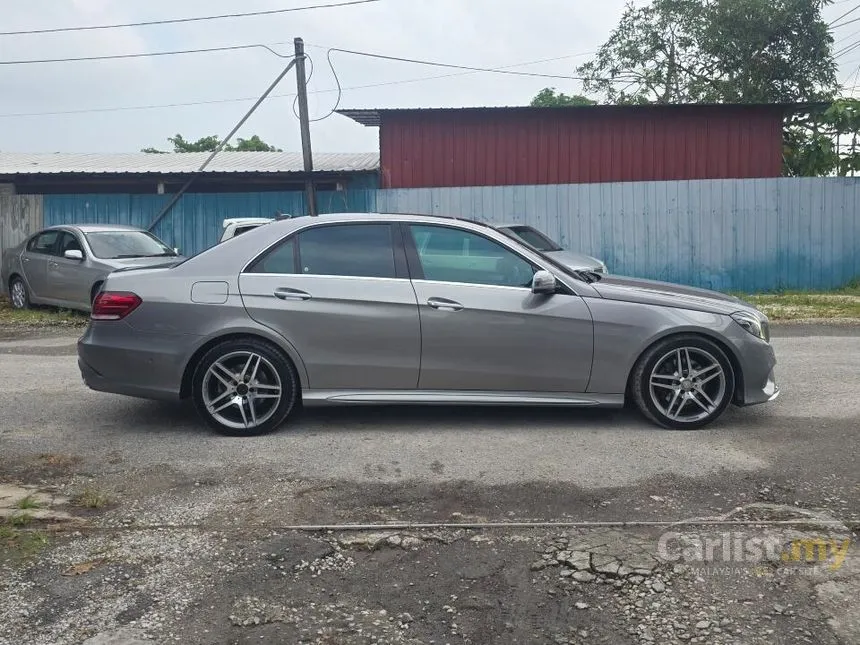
<point>806,442</point>
<point>193,545</point>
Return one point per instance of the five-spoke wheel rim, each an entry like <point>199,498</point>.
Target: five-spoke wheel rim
<point>688,384</point>
<point>19,296</point>
<point>242,390</point>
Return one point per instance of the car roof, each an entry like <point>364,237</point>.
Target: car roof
<point>357,217</point>
<point>239,221</point>
<point>94,228</point>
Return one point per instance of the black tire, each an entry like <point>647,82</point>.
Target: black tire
<point>17,284</point>
<point>286,375</point>
<point>701,350</point>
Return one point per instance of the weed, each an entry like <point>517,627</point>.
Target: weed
<point>20,519</point>
<point>21,544</point>
<point>28,502</point>
<point>92,498</point>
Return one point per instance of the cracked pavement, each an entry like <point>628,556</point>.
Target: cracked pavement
<point>194,547</point>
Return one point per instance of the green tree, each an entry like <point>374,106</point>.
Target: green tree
<point>547,97</point>
<point>210,143</point>
<point>741,51</point>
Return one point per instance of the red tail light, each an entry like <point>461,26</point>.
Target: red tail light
<point>114,305</point>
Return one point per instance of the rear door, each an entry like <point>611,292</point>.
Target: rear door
<point>481,326</point>
<point>340,293</point>
<point>34,262</point>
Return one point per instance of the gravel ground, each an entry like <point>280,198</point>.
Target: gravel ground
<point>154,530</point>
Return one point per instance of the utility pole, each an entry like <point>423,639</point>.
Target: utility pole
<point>302,87</point>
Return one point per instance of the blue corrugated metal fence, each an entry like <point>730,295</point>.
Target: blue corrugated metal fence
<point>743,235</point>
<point>195,222</point>
<point>729,235</point>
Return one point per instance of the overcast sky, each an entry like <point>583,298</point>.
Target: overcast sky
<point>481,33</point>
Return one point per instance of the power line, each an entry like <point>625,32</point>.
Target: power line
<point>847,13</point>
<point>173,21</point>
<point>848,22</point>
<point>291,95</point>
<point>206,50</point>
<point>453,66</point>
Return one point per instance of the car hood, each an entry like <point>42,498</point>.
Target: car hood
<point>669,294</point>
<point>125,264</point>
<point>573,260</point>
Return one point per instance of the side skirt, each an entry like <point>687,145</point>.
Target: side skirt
<point>454,397</point>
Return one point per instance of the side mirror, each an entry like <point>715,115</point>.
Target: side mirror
<point>544,282</point>
<point>73,254</point>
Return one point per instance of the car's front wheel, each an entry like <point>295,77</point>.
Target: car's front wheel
<point>244,387</point>
<point>18,294</point>
<point>685,382</point>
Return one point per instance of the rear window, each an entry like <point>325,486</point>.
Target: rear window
<point>353,250</point>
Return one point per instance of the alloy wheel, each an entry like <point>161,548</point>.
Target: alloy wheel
<point>18,295</point>
<point>242,390</point>
<point>687,384</point>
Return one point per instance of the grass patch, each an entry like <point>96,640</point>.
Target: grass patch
<point>28,502</point>
<point>798,306</point>
<point>18,544</point>
<point>40,316</point>
<point>20,519</point>
<point>92,498</point>
<point>842,303</point>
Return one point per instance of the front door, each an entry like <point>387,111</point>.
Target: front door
<point>34,262</point>
<point>481,326</point>
<point>340,293</point>
<point>70,281</point>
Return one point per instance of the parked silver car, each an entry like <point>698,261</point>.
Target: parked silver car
<point>571,259</point>
<point>65,266</point>
<point>389,309</point>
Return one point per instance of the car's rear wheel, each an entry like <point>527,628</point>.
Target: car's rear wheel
<point>685,382</point>
<point>244,387</point>
<point>18,294</point>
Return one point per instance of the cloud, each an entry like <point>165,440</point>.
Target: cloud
<point>473,32</point>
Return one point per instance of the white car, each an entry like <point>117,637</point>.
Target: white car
<point>238,225</point>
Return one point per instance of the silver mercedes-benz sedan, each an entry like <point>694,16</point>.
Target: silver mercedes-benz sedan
<point>65,266</point>
<point>399,309</point>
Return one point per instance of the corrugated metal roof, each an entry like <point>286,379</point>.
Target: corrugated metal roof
<point>12,163</point>
<point>372,116</point>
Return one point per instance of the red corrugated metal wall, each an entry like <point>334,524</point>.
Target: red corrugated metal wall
<point>499,147</point>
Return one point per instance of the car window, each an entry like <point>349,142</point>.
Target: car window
<point>69,242</point>
<point>281,259</point>
<point>454,255</point>
<point>44,243</point>
<point>113,245</point>
<point>535,238</point>
<point>357,250</point>
<point>244,229</point>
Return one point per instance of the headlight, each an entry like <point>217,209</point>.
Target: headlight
<point>753,325</point>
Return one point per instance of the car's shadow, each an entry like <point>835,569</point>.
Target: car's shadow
<point>172,417</point>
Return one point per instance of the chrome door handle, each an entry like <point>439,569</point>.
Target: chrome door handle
<point>53,264</point>
<point>25,259</point>
<point>285,293</point>
<point>444,304</point>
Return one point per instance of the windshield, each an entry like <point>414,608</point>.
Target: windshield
<point>115,245</point>
<point>534,238</point>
